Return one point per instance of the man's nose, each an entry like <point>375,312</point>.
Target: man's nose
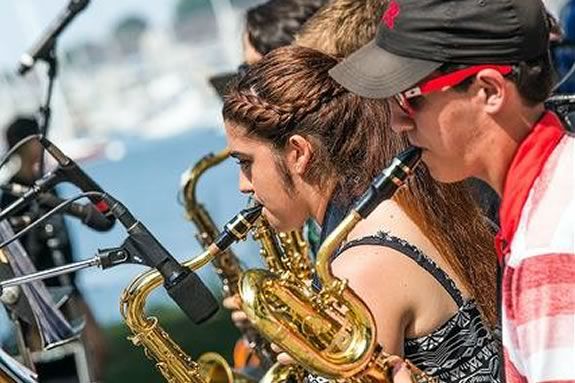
<point>400,121</point>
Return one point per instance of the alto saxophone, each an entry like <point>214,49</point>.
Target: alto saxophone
<point>172,362</point>
<point>331,333</point>
<point>226,263</point>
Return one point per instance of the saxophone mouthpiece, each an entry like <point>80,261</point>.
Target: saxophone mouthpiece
<point>392,178</point>
<point>410,158</point>
<point>238,227</point>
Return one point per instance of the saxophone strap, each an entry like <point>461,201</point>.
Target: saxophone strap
<point>383,238</point>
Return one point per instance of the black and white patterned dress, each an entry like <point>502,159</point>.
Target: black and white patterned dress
<point>464,349</point>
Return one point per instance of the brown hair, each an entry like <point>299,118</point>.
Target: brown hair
<point>290,92</point>
<point>274,23</point>
<point>342,26</point>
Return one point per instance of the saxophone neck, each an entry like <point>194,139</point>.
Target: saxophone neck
<point>330,246</point>
<point>195,210</point>
<point>191,177</point>
<point>270,249</point>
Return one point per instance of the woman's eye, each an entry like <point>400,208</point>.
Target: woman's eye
<point>244,164</point>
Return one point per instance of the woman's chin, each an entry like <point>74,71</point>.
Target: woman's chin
<point>276,224</point>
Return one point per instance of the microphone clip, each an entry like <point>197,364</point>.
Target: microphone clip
<point>113,257</point>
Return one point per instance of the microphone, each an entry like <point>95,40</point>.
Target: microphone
<point>88,214</point>
<point>98,216</point>
<point>41,185</point>
<point>183,285</point>
<point>42,48</point>
<point>74,174</point>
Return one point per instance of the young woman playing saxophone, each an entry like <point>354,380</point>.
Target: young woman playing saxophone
<point>422,262</point>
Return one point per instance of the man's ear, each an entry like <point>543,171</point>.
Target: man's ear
<point>299,152</point>
<point>492,90</point>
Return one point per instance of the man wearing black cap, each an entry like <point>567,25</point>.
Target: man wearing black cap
<point>468,79</point>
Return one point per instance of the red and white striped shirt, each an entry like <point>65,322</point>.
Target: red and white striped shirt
<point>537,243</point>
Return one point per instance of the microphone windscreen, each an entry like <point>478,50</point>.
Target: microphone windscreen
<point>194,298</point>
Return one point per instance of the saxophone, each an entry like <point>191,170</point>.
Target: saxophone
<point>172,362</point>
<point>331,333</point>
<point>226,264</point>
<point>285,255</point>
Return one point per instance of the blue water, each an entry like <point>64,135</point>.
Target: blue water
<point>147,181</point>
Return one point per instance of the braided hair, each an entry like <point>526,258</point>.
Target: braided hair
<point>290,92</point>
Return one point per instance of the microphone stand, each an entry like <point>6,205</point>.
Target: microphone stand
<point>104,259</point>
<point>46,109</point>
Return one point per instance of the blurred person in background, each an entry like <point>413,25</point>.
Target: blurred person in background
<point>49,246</point>
<point>274,24</point>
<point>341,26</point>
<point>268,26</point>
<point>563,50</point>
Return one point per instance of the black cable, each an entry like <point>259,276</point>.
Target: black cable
<point>50,213</point>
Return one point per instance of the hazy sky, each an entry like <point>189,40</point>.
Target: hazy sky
<point>22,21</point>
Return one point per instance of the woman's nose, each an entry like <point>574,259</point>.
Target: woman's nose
<point>245,185</point>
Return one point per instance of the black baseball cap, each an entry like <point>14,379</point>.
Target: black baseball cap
<point>416,37</point>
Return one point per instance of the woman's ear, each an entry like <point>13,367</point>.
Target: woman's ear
<point>299,152</point>
<point>492,90</point>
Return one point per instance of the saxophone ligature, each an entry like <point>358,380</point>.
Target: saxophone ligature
<point>331,333</point>
<point>172,362</point>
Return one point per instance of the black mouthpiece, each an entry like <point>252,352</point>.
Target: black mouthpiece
<point>410,158</point>
<point>238,227</point>
<point>386,184</point>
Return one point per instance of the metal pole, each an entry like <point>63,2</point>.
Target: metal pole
<point>50,273</point>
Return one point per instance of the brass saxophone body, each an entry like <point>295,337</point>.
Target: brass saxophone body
<point>330,332</point>
<point>285,255</point>
<point>226,263</point>
<point>172,362</point>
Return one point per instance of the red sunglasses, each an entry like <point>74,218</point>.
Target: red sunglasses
<point>443,82</point>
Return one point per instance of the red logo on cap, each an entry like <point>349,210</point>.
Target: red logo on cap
<point>390,14</point>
